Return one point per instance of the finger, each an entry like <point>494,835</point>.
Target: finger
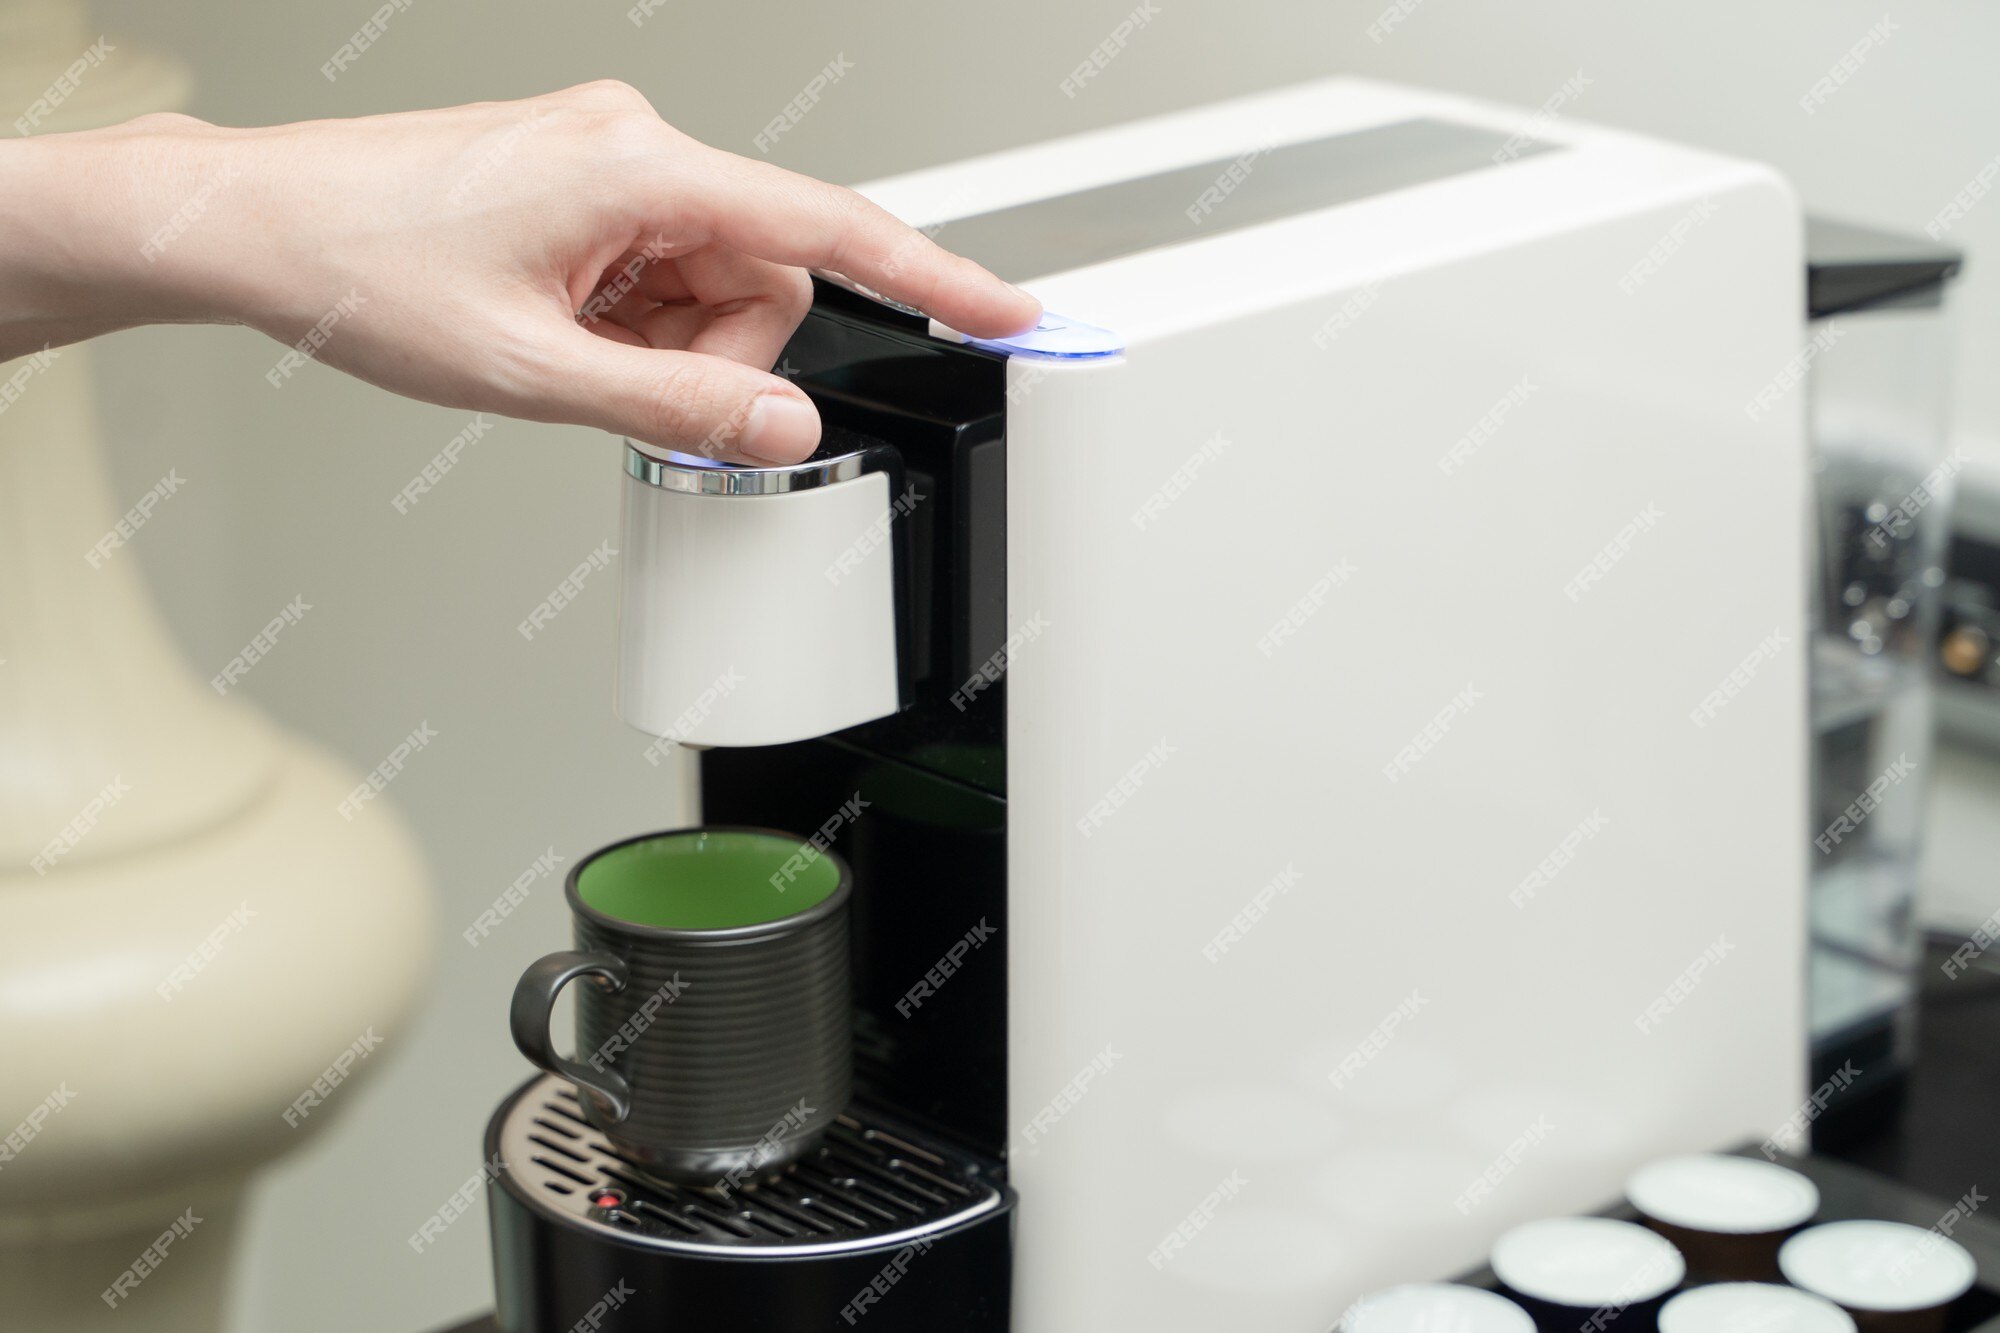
<point>619,333</point>
<point>795,220</point>
<point>640,321</point>
<point>667,328</point>
<point>616,316</point>
<point>757,305</point>
<point>716,300</point>
<point>684,400</point>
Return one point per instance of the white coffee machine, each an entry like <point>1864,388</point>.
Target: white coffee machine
<point>1318,727</point>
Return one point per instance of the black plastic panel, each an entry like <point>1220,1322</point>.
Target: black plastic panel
<point>929,856</point>
<point>942,408</point>
<point>1850,268</point>
<point>929,846</point>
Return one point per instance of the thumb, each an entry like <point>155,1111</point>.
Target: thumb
<point>687,401</point>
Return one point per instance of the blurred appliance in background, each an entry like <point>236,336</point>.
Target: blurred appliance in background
<point>1969,635</point>
<point>1295,834</point>
<point>1881,345</point>
<point>1960,893</point>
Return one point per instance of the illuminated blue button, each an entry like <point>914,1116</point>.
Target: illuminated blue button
<point>1057,337</point>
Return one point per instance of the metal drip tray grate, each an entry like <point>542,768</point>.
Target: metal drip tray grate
<point>865,1186</point>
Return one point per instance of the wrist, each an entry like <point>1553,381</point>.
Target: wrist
<point>90,227</point>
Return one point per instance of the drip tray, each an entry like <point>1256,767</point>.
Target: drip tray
<point>867,1185</point>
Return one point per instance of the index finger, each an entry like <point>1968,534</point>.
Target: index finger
<point>791,219</point>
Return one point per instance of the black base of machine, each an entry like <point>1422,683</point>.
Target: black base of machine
<point>874,1225</point>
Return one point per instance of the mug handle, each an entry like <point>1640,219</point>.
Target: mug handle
<point>535,995</point>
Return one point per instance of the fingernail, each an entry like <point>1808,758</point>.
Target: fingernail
<point>781,429</point>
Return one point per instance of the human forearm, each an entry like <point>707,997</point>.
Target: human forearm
<point>566,258</point>
<point>79,214</point>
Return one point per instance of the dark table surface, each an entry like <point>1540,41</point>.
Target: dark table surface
<point>1946,1141</point>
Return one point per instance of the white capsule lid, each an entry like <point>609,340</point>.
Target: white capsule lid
<point>1752,1307</point>
<point>1883,1266</point>
<point>1436,1307</point>
<point>1587,1262</point>
<point>1725,1195</point>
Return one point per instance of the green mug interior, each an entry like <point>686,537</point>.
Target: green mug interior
<point>707,879</point>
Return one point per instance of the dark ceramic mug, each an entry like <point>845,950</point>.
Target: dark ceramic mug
<point>712,1032</point>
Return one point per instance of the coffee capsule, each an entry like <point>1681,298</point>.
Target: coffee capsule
<point>1892,1278</point>
<point>1726,1215</point>
<point>1433,1306</point>
<point>1752,1307</point>
<point>1575,1272</point>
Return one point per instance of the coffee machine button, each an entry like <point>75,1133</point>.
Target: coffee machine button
<point>1057,337</point>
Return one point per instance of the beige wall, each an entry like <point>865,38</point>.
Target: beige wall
<point>1911,125</point>
<point>288,490</point>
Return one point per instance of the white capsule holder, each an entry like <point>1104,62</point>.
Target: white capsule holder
<point>758,604</point>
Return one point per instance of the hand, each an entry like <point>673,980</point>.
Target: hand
<point>566,258</point>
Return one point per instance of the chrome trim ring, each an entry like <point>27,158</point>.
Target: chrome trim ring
<point>692,475</point>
